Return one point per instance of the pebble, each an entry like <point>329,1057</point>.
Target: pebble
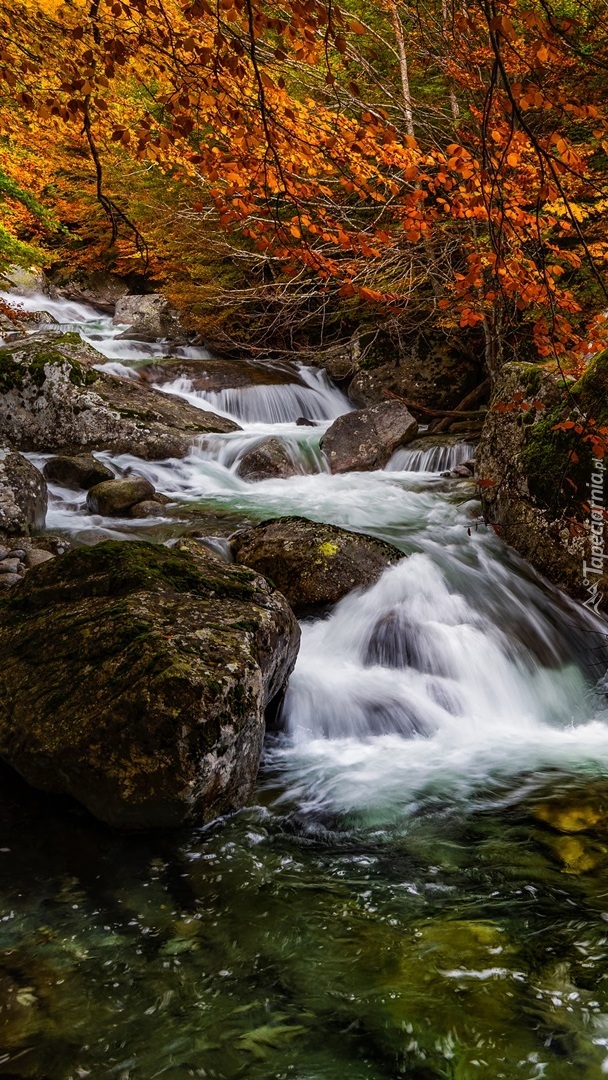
<point>3,553</point>
<point>10,566</point>
<point>18,553</point>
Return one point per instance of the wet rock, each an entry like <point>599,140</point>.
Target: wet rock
<point>101,289</point>
<point>219,373</point>
<point>163,662</point>
<point>114,497</point>
<point>463,471</point>
<point>53,400</point>
<point>147,508</point>
<point>23,495</point>
<point>267,460</point>
<point>79,473</point>
<point>148,318</point>
<point>366,439</point>
<point>303,421</point>
<point>313,565</point>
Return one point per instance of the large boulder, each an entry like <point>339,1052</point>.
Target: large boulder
<point>430,374</point>
<point>135,678</point>
<point>79,473</point>
<point>23,495</point>
<point>366,439</point>
<point>100,288</point>
<point>538,480</point>
<point>266,461</point>
<point>148,318</point>
<point>52,399</point>
<point>28,282</point>
<point>314,565</point>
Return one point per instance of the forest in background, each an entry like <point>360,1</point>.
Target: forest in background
<point>291,173</point>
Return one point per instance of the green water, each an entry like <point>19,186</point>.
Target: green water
<point>459,943</point>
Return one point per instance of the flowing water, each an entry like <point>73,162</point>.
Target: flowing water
<point>420,887</point>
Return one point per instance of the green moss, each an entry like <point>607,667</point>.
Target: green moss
<point>11,373</point>
<point>14,372</point>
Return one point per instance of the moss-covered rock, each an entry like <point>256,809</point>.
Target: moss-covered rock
<point>53,399</point>
<point>114,497</point>
<point>135,678</point>
<point>536,476</point>
<point>313,565</point>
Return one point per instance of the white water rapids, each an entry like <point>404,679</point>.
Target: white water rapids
<point>458,674</point>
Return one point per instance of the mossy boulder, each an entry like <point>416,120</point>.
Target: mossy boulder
<point>366,439</point>
<point>52,399</point>
<point>23,495</point>
<point>313,565</point>
<point>114,497</point>
<point>135,678</point>
<point>535,475</point>
<point>266,461</point>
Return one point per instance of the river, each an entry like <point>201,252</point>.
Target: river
<point>397,901</point>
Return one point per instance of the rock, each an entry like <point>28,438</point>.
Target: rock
<point>303,421</point>
<point>36,556</point>
<point>313,565</point>
<point>219,373</point>
<point>79,473</point>
<point>27,282</point>
<point>463,471</point>
<point>366,439</point>
<point>148,318</point>
<point>53,400</point>
<point>100,288</point>
<point>114,497</point>
<point>148,508</point>
<point>162,662</point>
<point>268,460</point>
<point>3,553</point>
<point>534,479</point>
<point>23,495</point>
<point>433,371</point>
<point>17,553</point>
<point>10,566</point>
<point>8,580</point>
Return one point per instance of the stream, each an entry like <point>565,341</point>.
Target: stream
<point>420,887</point>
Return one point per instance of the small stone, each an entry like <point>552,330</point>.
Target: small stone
<point>10,566</point>
<point>164,500</point>
<point>36,556</point>
<point>148,508</point>
<point>17,553</point>
<point>3,553</point>
<point>8,580</point>
<point>462,472</point>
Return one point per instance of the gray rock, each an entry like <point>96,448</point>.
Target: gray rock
<point>8,580</point>
<point>313,565</point>
<point>36,556</point>
<point>26,282</point>
<point>148,508</point>
<point>23,495</point>
<point>52,400</point>
<point>148,318</point>
<point>163,661</point>
<point>17,553</point>
<point>463,471</point>
<point>3,553</point>
<point>10,566</point>
<point>115,497</point>
<point>79,473</point>
<point>267,460</point>
<point>366,439</point>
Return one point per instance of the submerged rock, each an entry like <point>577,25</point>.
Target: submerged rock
<point>268,460</point>
<point>115,497</point>
<point>53,400</point>
<point>23,495</point>
<point>135,678</point>
<point>80,472</point>
<point>313,565</point>
<point>366,439</point>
